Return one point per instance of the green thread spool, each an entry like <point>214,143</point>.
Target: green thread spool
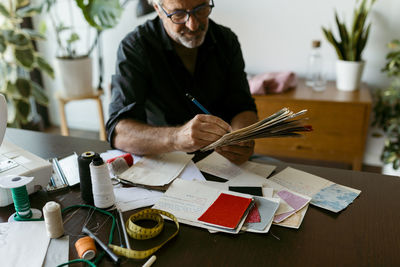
<point>17,185</point>
<point>21,203</point>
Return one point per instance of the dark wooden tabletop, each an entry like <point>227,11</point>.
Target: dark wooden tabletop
<point>367,233</point>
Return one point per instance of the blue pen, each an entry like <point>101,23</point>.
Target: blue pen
<point>200,106</point>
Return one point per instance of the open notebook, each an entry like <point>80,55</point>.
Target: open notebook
<point>280,124</point>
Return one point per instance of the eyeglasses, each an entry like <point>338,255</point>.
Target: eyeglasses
<point>182,16</point>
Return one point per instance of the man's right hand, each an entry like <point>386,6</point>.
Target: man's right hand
<point>200,131</point>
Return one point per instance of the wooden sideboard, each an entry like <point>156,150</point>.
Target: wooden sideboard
<point>339,119</point>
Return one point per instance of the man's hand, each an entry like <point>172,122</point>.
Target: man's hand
<point>200,131</point>
<point>238,153</point>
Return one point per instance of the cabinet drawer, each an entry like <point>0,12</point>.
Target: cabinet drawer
<point>337,133</point>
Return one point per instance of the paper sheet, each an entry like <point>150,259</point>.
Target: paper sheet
<point>299,181</point>
<point>186,199</point>
<point>218,165</point>
<point>267,191</point>
<point>58,252</point>
<point>217,185</point>
<point>157,170</point>
<point>129,198</point>
<point>22,243</point>
<point>191,172</point>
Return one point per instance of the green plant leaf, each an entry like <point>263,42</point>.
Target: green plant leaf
<point>8,35</point>
<point>47,5</point>
<point>28,11</point>
<point>34,35</point>
<point>101,14</point>
<point>331,39</point>
<point>25,57</point>
<point>22,3</point>
<point>19,39</point>
<point>11,90</point>
<point>44,66</point>
<point>23,109</point>
<point>3,45</point>
<point>24,87</point>
<point>39,94</point>
<point>73,38</point>
<point>4,11</point>
<point>351,44</point>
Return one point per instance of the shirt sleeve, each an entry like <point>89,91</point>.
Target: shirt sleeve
<point>238,97</point>
<point>128,86</point>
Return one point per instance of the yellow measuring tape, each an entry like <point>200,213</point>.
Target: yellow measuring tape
<point>138,232</point>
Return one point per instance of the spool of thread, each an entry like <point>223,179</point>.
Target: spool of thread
<point>86,248</point>
<point>84,175</point>
<point>17,185</point>
<point>53,219</point>
<point>103,193</point>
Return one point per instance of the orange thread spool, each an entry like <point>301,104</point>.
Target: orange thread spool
<point>86,248</point>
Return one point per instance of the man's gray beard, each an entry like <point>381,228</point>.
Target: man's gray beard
<point>191,43</point>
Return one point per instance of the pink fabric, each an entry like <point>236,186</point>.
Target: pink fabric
<point>272,82</point>
<point>254,215</point>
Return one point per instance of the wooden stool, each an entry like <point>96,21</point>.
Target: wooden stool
<point>63,100</point>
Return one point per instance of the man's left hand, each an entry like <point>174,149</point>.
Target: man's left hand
<point>238,153</point>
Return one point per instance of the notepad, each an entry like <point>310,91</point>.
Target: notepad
<point>227,211</point>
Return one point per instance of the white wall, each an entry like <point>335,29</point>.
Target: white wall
<point>275,35</point>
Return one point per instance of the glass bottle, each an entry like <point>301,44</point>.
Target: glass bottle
<point>315,77</point>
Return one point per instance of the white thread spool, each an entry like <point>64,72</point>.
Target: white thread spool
<point>53,219</point>
<point>103,192</point>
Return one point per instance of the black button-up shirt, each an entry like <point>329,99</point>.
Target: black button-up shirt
<point>151,81</point>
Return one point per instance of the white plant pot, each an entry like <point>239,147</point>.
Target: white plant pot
<point>388,170</point>
<point>75,75</point>
<point>348,74</point>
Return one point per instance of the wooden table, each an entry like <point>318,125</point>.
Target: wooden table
<point>365,234</point>
<point>340,121</point>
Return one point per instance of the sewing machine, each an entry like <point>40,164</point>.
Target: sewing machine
<point>17,161</point>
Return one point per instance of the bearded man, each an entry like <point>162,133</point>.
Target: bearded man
<point>182,51</point>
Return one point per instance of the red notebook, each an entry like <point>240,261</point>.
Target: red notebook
<point>226,211</point>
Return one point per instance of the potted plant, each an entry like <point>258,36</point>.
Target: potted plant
<point>350,45</point>
<point>387,110</point>
<point>75,68</point>
<point>17,58</point>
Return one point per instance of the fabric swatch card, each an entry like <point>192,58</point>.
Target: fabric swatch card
<point>226,211</point>
<point>266,209</point>
<point>254,215</point>
<point>334,198</point>
<point>294,201</point>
